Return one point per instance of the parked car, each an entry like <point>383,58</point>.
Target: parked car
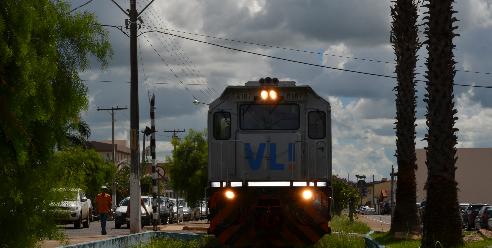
<point>165,209</point>
<point>490,223</point>
<point>176,213</point>
<point>471,214</point>
<point>203,210</point>
<point>74,208</point>
<point>366,210</point>
<point>463,207</point>
<point>482,218</point>
<point>122,216</point>
<point>186,210</point>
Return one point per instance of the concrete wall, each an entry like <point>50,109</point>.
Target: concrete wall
<point>473,174</point>
<point>133,240</point>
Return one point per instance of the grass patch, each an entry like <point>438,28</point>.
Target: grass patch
<point>205,241</point>
<point>340,240</point>
<point>388,241</point>
<point>344,225</point>
<point>329,241</point>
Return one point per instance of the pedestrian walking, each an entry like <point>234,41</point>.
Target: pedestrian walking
<point>103,207</point>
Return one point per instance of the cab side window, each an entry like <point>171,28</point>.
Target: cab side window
<point>317,125</point>
<point>222,125</point>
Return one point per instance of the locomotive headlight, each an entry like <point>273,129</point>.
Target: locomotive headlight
<point>307,194</point>
<point>264,94</point>
<point>229,194</point>
<point>273,95</point>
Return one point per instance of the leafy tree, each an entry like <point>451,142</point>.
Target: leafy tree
<point>188,166</point>
<point>83,168</point>
<point>345,195</point>
<point>42,49</point>
<point>405,44</point>
<point>77,133</point>
<point>442,221</point>
<point>122,180</point>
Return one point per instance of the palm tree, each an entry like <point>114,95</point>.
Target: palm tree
<point>441,216</point>
<point>405,43</point>
<point>77,133</point>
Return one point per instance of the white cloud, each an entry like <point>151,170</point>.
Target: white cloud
<point>362,106</point>
<point>357,149</point>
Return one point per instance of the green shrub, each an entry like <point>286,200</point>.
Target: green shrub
<point>343,224</point>
<point>340,240</point>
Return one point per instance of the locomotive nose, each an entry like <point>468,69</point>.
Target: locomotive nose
<point>268,214</point>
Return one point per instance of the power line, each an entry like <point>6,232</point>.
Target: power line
<point>185,59</point>
<point>170,50</point>
<point>297,50</point>
<point>302,62</point>
<point>170,68</point>
<point>84,4</point>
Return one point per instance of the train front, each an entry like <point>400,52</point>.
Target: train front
<point>269,165</point>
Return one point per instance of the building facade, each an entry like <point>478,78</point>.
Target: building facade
<point>378,194</point>
<point>473,174</point>
<point>105,149</point>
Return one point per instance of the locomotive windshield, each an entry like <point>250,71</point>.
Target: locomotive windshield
<point>269,117</point>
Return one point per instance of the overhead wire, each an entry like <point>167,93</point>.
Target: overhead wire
<point>302,62</point>
<point>171,69</point>
<point>174,54</point>
<point>295,49</point>
<point>195,71</point>
<point>188,64</point>
<point>80,6</point>
<point>170,50</point>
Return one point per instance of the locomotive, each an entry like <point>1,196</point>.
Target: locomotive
<point>269,168</point>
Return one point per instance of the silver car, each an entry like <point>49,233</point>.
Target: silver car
<point>74,208</point>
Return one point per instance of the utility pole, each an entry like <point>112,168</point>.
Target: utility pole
<point>146,132</point>
<point>174,131</point>
<point>113,156</point>
<point>361,184</point>
<point>374,194</point>
<point>155,209</point>
<point>135,191</point>
<point>393,174</point>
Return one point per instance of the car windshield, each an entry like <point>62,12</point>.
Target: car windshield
<point>146,201</point>
<point>476,207</point>
<point>124,202</point>
<point>70,195</point>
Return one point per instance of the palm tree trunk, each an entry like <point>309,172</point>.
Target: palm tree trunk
<point>405,44</point>
<point>441,216</point>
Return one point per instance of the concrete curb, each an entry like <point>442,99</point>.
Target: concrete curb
<point>370,242</point>
<point>134,240</point>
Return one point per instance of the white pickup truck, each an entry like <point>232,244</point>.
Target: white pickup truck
<point>74,208</point>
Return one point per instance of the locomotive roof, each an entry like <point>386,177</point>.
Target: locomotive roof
<point>257,85</point>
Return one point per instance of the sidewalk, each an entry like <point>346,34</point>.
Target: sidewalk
<point>198,227</point>
<point>377,223</point>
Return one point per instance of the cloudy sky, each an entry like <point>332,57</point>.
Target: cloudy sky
<point>345,32</point>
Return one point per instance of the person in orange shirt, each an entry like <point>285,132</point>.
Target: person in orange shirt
<point>103,207</point>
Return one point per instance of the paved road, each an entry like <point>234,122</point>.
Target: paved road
<point>82,235</point>
<point>94,229</point>
<point>381,223</point>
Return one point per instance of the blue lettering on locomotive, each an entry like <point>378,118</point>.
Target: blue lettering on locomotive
<point>255,161</point>
<point>273,158</point>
